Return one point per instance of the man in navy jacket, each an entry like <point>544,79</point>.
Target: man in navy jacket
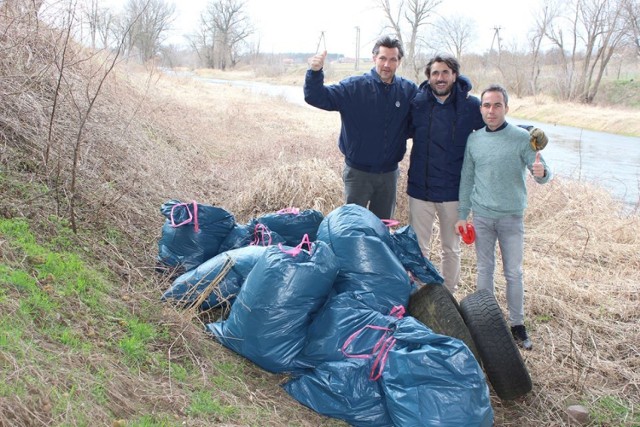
<point>374,109</point>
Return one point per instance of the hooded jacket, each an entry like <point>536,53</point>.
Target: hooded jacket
<point>375,117</point>
<point>440,132</point>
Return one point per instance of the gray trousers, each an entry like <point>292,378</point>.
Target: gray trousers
<point>375,191</point>
<point>509,233</point>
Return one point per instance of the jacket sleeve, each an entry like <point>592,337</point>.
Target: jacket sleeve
<point>317,94</point>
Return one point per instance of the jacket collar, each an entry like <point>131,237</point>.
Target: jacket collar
<point>377,78</point>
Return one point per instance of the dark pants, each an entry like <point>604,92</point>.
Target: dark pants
<point>375,191</point>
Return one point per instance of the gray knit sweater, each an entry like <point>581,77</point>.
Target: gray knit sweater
<point>493,182</point>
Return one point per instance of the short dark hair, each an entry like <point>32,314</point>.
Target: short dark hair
<point>497,88</point>
<point>447,59</point>
<point>391,43</point>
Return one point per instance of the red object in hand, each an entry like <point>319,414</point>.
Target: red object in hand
<point>468,234</point>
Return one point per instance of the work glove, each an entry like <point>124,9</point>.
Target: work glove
<point>538,139</point>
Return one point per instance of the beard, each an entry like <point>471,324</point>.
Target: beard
<point>441,92</point>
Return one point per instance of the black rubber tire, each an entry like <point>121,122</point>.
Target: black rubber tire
<point>500,355</point>
<point>435,307</point>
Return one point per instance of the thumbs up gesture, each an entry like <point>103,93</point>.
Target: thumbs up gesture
<point>538,167</point>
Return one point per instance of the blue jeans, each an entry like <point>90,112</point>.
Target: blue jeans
<point>375,191</point>
<point>509,232</point>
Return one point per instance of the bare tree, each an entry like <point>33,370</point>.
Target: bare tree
<point>596,30</point>
<point>412,15</point>
<point>542,22</point>
<point>632,19</point>
<point>203,43</point>
<point>22,7</point>
<point>228,27</point>
<point>149,21</point>
<point>91,18</point>
<point>456,33</point>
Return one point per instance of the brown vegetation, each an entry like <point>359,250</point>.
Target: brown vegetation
<point>151,138</point>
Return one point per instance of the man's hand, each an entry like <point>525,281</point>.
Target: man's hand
<point>316,62</point>
<point>538,167</point>
<point>538,139</point>
<point>460,224</point>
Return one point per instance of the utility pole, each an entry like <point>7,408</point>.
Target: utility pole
<point>357,48</point>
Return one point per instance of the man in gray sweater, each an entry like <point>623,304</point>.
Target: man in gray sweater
<point>493,187</point>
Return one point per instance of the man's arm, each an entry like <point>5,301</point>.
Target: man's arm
<point>315,92</point>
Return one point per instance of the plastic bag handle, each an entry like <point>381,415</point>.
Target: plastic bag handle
<point>295,211</point>
<point>296,250</point>
<point>259,231</point>
<point>391,222</point>
<point>191,216</point>
<point>380,350</point>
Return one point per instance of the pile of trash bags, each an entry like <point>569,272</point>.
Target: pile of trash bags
<point>324,300</point>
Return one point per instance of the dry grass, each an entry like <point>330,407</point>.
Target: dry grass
<point>152,138</point>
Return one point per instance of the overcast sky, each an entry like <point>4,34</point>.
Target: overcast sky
<point>296,25</point>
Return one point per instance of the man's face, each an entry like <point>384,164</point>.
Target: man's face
<point>387,61</point>
<point>441,79</point>
<point>493,109</point>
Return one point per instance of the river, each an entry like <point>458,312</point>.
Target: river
<point>608,160</point>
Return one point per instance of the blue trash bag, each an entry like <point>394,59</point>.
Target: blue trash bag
<point>408,251</point>
<point>241,235</point>
<point>250,234</point>
<point>268,322</point>
<point>341,316</point>
<point>433,380</point>
<point>292,224</point>
<point>353,220</point>
<point>342,389</point>
<point>191,234</point>
<point>237,263</point>
<point>363,245</point>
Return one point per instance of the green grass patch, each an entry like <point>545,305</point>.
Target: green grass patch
<point>153,421</point>
<point>134,344</point>
<point>613,411</point>
<point>621,93</point>
<point>48,273</point>
<point>203,403</point>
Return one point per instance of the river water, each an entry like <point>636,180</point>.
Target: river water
<point>604,159</point>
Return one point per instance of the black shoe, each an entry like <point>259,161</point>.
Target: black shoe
<point>520,336</point>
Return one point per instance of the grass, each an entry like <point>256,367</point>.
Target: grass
<point>84,339</point>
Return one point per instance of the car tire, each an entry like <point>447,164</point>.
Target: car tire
<point>501,358</point>
<point>436,308</point>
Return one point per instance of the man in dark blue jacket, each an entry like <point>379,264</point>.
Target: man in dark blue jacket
<point>374,109</point>
<point>443,114</point>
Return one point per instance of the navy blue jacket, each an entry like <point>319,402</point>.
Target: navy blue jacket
<point>375,117</point>
<point>440,134</point>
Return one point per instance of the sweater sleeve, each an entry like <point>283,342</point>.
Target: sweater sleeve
<point>466,183</point>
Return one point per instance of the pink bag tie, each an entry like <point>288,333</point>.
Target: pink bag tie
<point>191,216</point>
<point>382,347</point>
<point>296,250</point>
<point>391,222</point>
<point>295,211</point>
<point>259,233</point>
